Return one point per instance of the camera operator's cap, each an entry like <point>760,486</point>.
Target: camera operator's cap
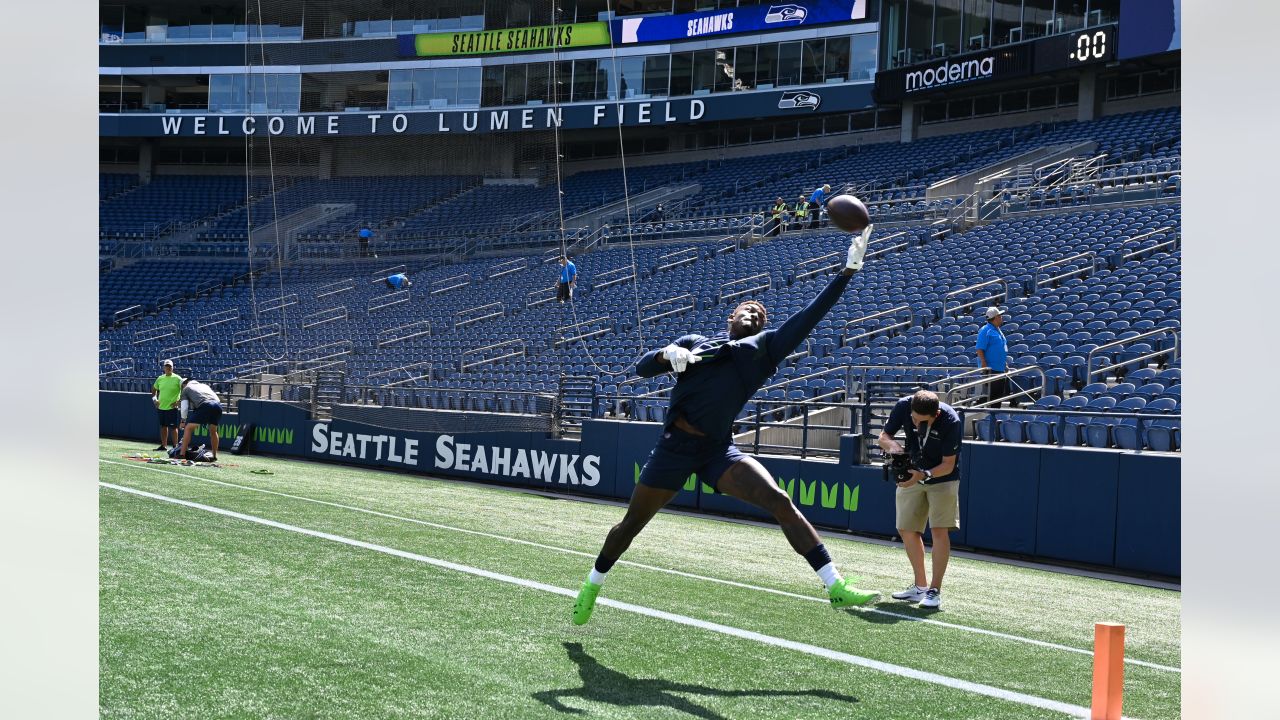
<point>994,311</point>
<point>167,363</point>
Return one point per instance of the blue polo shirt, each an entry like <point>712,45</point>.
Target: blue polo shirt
<point>992,343</point>
<point>816,197</point>
<point>397,280</point>
<point>568,272</point>
<point>366,233</point>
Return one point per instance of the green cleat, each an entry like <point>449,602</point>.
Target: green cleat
<point>586,602</point>
<point>843,594</point>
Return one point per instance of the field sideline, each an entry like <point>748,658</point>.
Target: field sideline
<point>325,591</point>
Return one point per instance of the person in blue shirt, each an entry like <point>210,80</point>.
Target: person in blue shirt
<point>715,377</point>
<point>568,276</point>
<point>365,235</point>
<point>993,352</point>
<point>816,204</point>
<point>399,281</point>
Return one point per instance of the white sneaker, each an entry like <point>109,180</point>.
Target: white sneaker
<point>913,593</point>
<point>932,599</point>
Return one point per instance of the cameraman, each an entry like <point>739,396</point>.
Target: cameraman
<point>931,489</point>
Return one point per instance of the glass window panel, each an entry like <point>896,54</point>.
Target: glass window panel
<point>536,87</point>
<point>681,74</point>
<point>1068,94</point>
<point>837,62</point>
<point>919,29</point>
<point>960,109</point>
<point>862,57</point>
<point>1037,18</point>
<point>704,68</point>
<point>813,58</point>
<point>1069,15</point>
<point>863,120</point>
<point>631,76</point>
<point>1101,12</point>
<point>1043,97</point>
<point>607,79</point>
<point>1006,21</point>
<point>977,24</point>
<point>889,117</point>
<point>724,70</point>
<point>840,123</point>
<point>424,88</point>
<point>744,69</point>
<point>946,28</point>
<point>893,28</point>
<point>1013,101</point>
<point>491,91</point>
<point>446,87</point>
<point>561,83</point>
<point>656,71</point>
<point>788,64</point>
<point>584,80</point>
<point>986,105</point>
<point>738,136</point>
<point>810,127</point>
<point>513,85</point>
<point>761,133</point>
<point>767,65</point>
<point>933,112</point>
<point>469,86</point>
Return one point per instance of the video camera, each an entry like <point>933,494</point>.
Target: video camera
<point>897,468</point>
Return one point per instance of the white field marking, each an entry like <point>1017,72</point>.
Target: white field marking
<point>654,568</point>
<point>1075,711</point>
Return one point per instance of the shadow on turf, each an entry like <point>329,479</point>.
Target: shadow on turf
<point>604,685</point>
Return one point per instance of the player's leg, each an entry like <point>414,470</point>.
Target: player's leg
<point>748,481</point>
<point>944,516</point>
<point>213,439</point>
<point>645,502</point>
<point>186,440</point>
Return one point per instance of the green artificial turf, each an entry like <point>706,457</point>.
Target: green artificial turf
<point>204,615</point>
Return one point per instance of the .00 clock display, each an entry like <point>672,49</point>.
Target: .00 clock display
<point>1092,45</point>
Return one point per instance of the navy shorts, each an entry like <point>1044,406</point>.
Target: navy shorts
<point>207,414</point>
<point>168,418</point>
<point>679,455</point>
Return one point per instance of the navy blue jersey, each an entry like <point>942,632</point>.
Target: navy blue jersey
<point>711,392</point>
<point>942,438</point>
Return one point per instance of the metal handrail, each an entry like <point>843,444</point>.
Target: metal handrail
<point>333,288</point>
<point>690,255</point>
<point>440,286</point>
<point>987,379</point>
<point>464,366</point>
<point>1125,341</point>
<point>998,281</point>
<point>508,267</point>
<point>402,369</point>
<point>218,318</point>
<point>1175,242</point>
<point>528,303</point>
<point>154,333</point>
<point>326,351</point>
<point>458,322</point>
<point>560,331</point>
<point>667,301</point>
<point>185,350</point>
<point>381,275</point>
<point>891,312</point>
<point>722,296</point>
<point>630,271</point>
<point>257,332</point>
<point>817,271</point>
<point>390,336</point>
<point>384,301</point>
<point>324,316</point>
<point>1088,254</point>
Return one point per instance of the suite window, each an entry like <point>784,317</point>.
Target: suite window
<point>1101,12</point>
<point>513,91</point>
<point>1037,19</point>
<point>788,64</point>
<point>681,74</point>
<point>704,71</point>
<point>862,57</point>
<point>744,69</point>
<point>977,24</point>
<point>536,88</point>
<point>1006,21</point>
<point>813,59</point>
<point>766,65</point>
<point>947,37</point>
<point>1069,15</point>
<point>836,64</point>
<point>657,68</point>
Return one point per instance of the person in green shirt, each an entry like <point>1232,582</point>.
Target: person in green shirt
<point>164,395</point>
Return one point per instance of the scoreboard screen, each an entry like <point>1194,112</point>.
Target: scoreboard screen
<point>1076,49</point>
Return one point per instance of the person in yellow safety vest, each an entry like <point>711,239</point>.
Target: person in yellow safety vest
<point>779,209</point>
<point>801,211</point>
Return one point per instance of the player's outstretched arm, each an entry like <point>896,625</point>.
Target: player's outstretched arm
<point>677,356</point>
<point>797,327</point>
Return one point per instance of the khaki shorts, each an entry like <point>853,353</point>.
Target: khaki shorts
<point>939,504</point>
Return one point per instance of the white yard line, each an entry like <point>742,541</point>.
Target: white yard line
<point>825,653</point>
<point>814,598</point>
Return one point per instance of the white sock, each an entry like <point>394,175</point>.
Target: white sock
<point>830,576</point>
<point>596,577</point>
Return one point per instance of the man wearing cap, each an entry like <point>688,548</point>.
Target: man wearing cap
<point>993,352</point>
<point>817,201</point>
<point>164,395</point>
<point>200,406</point>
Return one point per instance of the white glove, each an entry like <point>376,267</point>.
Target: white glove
<point>858,248</point>
<point>679,358</point>
<point>155,401</point>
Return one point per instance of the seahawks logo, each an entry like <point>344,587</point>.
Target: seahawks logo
<point>802,100</point>
<point>785,13</point>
